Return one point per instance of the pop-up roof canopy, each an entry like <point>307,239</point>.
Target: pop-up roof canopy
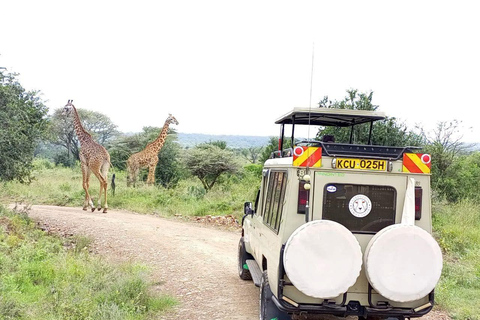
<point>329,117</point>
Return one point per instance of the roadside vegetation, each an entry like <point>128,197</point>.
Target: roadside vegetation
<point>457,229</point>
<point>39,165</point>
<point>48,277</point>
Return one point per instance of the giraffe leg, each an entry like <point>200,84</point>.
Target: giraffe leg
<point>151,171</point>
<point>131,172</point>
<point>103,188</point>
<point>86,184</point>
<point>104,173</point>
<point>134,176</point>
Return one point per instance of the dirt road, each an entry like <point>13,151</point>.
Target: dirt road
<point>193,262</point>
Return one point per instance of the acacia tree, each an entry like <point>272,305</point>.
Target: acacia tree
<point>96,123</point>
<point>208,162</point>
<point>252,154</point>
<point>445,147</point>
<point>23,124</point>
<point>385,132</point>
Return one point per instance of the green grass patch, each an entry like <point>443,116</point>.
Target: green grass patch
<point>63,186</point>
<point>457,229</point>
<point>41,279</point>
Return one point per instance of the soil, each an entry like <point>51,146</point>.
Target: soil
<point>194,261</point>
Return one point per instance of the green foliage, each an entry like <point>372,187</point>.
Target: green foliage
<point>170,168</point>
<point>255,169</point>
<point>63,159</point>
<point>450,163</point>
<point>208,162</point>
<point>252,154</point>
<point>219,143</point>
<point>273,146</point>
<point>386,132</point>
<point>123,147</point>
<point>23,124</point>
<point>41,279</point>
<point>457,229</point>
<point>460,180</point>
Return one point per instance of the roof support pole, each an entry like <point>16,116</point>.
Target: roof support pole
<point>280,140</point>
<point>293,131</point>
<point>370,133</point>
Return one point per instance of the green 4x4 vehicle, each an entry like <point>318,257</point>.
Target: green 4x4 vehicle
<point>341,228</point>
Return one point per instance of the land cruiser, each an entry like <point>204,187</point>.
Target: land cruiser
<point>341,228</point>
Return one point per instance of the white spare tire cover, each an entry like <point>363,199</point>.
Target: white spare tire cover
<point>322,259</point>
<point>403,263</point>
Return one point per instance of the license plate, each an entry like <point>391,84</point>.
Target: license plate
<point>361,164</point>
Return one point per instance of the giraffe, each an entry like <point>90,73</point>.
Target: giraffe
<point>94,159</point>
<point>148,157</point>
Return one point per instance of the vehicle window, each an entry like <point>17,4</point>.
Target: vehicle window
<point>360,208</point>
<point>274,199</point>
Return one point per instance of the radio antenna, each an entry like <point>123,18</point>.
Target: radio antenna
<point>311,88</point>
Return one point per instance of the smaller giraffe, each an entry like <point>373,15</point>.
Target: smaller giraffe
<point>148,157</point>
<point>94,158</point>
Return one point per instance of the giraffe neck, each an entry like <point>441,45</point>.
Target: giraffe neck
<point>158,143</point>
<point>83,136</point>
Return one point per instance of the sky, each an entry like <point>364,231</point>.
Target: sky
<point>234,67</point>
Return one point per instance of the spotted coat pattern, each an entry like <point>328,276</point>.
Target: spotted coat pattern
<point>148,157</point>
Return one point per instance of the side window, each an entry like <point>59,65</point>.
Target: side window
<point>277,183</point>
<point>265,174</point>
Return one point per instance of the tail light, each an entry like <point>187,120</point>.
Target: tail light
<point>418,203</point>
<point>303,195</point>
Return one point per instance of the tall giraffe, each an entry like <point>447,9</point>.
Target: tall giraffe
<point>148,157</point>
<point>94,158</point>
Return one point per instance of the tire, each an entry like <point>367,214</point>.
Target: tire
<point>268,309</point>
<point>243,256</point>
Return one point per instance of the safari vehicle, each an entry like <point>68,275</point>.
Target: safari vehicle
<point>341,228</point>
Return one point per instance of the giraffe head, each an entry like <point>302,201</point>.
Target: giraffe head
<point>171,119</point>
<point>68,108</point>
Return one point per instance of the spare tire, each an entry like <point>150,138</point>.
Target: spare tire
<point>322,259</point>
<point>403,263</point>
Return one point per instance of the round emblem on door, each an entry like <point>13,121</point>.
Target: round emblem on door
<point>360,206</point>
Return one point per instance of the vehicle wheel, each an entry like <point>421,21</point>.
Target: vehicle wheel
<point>243,256</point>
<point>268,309</point>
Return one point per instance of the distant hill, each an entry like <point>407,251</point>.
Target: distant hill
<point>236,142</point>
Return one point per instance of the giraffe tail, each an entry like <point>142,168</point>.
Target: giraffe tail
<point>113,184</point>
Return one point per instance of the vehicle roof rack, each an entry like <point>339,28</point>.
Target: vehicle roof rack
<point>329,117</point>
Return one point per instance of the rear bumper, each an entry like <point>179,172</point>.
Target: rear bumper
<point>344,309</point>
<point>353,308</point>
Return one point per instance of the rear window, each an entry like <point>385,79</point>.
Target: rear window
<point>360,208</point>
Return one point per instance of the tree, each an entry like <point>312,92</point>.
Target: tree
<point>97,124</point>
<point>272,146</point>
<point>445,147</point>
<point>252,154</point>
<point>23,124</point>
<point>386,132</point>
<point>208,162</point>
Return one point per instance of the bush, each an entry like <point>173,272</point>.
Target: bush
<point>64,159</point>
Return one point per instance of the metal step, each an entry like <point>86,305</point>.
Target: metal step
<point>255,272</point>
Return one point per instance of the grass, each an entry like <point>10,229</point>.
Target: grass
<point>46,277</point>
<point>63,187</point>
<point>457,229</point>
